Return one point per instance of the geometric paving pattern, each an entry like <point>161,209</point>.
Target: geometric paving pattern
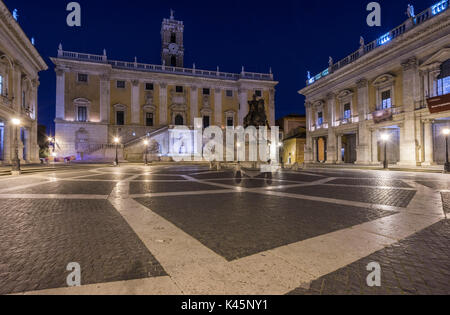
<point>186,229</point>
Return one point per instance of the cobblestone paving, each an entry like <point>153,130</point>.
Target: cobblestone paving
<point>220,219</point>
<point>390,197</point>
<point>163,187</point>
<point>238,225</point>
<point>417,265</point>
<point>70,187</point>
<point>38,238</point>
<point>370,182</point>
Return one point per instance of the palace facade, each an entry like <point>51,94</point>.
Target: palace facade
<point>98,99</point>
<point>20,64</point>
<point>396,87</point>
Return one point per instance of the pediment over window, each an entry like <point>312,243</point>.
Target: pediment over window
<point>206,111</point>
<point>82,101</point>
<point>230,113</point>
<point>437,59</point>
<point>344,94</point>
<point>149,108</point>
<point>120,107</point>
<point>384,79</point>
<point>318,103</point>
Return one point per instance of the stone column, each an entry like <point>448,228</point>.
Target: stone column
<point>8,142</point>
<point>408,154</point>
<point>309,141</point>
<point>411,94</point>
<point>17,88</point>
<point>243,109</point>
<point>163,104</point>
<point>218,107</point>
<point>375,147</point>
<point>105,102</point>
<point>34,143</point>
<point>339,150</point>
<point>194,103</point>
<point>60,91</point>
<point>331,141</point>
<point>428,142</point>
<point>314,149</point>
<point>363,148</point>
<point>411,84</point>
<point>135,108</point>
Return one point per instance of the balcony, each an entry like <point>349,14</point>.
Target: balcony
<point>319,127</point>
<point>383,115</point>
<point>347,121</point>
<point>439,103</point>
<point>5,101</point>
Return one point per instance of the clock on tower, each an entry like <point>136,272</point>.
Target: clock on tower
<point>172,49</point>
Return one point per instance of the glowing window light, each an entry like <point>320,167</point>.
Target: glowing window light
<point>439,7</point>
<point>384,39</point>
<point>311,81</point>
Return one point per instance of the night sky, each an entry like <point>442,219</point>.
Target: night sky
<point>291,36</point>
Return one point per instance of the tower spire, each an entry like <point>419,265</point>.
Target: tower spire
<point>172,13</point>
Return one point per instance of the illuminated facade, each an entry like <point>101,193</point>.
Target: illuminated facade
<point>98,99</point>
<point>397,85</point>
<point>20,64</point>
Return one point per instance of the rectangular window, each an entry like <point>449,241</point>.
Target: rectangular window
<point>230,122</point>
<point>120,118</point>
<point>206,91</point>
<point>82,77</point>
<point>173,38</point>
<point>120,84</point>
<point>24,99</point>
<point>229,93</point>
<point>347,111</point>
<point>82,113</point>
<point>258,93</point>
<point>320,119</point>
<point>149,119</point>
<point>149,86</point>
<point>205,121</point>
<point>443,86</point>
<point>179,89</point>
<point>1,85</point>
<point>386,101</point>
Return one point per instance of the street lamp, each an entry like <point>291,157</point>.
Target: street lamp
<point>146,151</point>
<point>15,169</point>
<point>385,139</point>
<point>446,132</point>
<point>116,141</point>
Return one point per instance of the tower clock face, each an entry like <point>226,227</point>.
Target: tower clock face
<point>173,48</point>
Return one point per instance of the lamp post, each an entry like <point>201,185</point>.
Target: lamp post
<point>146,151</point>
<point>15,169</point>
<point>446,133</point>
<point>116,141</point>
<point>385,138</point>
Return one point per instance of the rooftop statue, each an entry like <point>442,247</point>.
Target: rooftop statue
<point>410,11</point>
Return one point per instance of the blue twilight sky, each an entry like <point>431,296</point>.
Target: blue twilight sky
<point>291,36</point>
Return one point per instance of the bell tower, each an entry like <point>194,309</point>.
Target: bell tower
<point>172,48</point>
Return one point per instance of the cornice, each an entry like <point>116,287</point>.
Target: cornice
<point>18,34</point>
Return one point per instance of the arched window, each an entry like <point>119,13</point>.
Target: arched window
<point>443,83</point>
<point>173,61</point>
<point>179,121</point>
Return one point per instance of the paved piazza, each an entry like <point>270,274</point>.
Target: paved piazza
<point>189,230</point>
